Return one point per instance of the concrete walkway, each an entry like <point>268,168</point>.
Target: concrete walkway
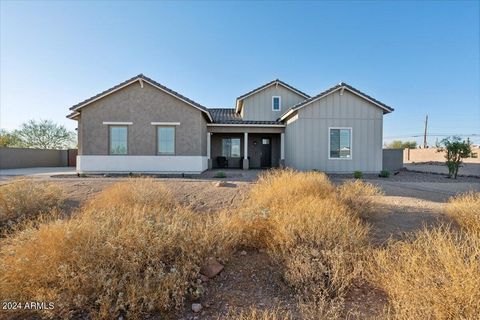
<point>35,172</point>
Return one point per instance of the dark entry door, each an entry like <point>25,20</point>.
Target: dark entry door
<point>266,159</point>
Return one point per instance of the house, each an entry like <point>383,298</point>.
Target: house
<point>142,126</point>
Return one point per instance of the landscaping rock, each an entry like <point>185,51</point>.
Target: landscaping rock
<point>211,268</point>
<point>196,307</point>
<point>221,184</point>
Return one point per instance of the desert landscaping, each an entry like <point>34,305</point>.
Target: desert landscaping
<point>285,245</point>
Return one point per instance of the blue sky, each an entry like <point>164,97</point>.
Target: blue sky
<point>419,57</point>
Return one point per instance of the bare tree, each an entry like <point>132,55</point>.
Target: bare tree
<point>45,134</point>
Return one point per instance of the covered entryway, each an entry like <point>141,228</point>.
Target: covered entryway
<point>247,147</point>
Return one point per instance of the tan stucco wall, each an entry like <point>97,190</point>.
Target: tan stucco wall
<point>28,158</point>
<point>431,154</point>
<point>142,106</point>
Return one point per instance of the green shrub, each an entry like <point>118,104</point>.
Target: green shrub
<point>384,174</point>
<point>357,174</point>
<point>220,174</point>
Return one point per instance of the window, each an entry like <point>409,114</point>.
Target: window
<point>276,103</point>
<point>166,140</point>
<point>118,139</point>
<point>231,147</point>
<point>340,143</point>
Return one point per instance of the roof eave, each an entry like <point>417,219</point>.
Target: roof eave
<point>141,78</point>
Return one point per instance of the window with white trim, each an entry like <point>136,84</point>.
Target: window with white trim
<point>166,140</point>
<point>118,136</point>
<point>276,103</point>
<point>340,143</point>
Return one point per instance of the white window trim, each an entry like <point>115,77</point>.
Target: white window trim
<point>174,141</point>
<point>116,123</point>
<point>279,103</point>
<point>165,123</point>
<point>351,143</point>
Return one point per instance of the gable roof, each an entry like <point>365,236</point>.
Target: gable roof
<point>276,82</point>
<point>141,78</point>
<point>230,116</point>
<point>340,86</point>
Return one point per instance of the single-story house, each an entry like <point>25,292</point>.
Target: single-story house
<point>142,126</point>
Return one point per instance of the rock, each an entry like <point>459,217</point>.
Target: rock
<point>211,268</point>
<point>196,307</point>
<point>204,278</point>
<point>221,184</point>
<point>243,253</point>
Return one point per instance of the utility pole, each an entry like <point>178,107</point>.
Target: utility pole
<point>425,134</point>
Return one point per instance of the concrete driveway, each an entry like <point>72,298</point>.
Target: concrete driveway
<point>37,172</point>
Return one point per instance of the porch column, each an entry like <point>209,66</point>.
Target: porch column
<point>209,146</point>
<point>245,151</point>
<point>282,150</point>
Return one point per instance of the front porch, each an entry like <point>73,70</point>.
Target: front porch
<point>245,148</point>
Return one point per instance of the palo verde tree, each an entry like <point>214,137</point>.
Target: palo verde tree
<point>455,150</point>
<point>399,144</point>
<point>8,139</point>
<point>45,134</point>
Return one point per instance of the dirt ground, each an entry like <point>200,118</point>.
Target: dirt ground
<point>411,201</point>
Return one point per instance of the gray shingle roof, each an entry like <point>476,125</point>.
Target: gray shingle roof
<point>147,79</point>
<point>229,116</point>
<point>341,84</point>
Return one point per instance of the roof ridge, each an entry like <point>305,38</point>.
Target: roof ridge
<point>270,83</point>
<point>335,87</point>
<point>151,81</point>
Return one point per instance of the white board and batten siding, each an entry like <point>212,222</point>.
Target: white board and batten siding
<point>307,136</point>
<point>259,105</point>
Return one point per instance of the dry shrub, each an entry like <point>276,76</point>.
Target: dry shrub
<point>281,187</point>
<point>24,200</point>
<point>465,209</point>
<point>435,275</point>
<point>358,195</point>
<point>257,314</point>
<point>309,229</point>
<point>131,260</point>
<point>135,191</point>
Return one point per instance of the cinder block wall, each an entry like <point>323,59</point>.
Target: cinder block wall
<point>392,159</point>
<point>11,158</point>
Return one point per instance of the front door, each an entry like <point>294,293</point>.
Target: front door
<point>266,157</point>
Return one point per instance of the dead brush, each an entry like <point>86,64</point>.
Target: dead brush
<point>135,191</point>
<point>309,230</point>
<point>24,200</point>
<point>465,209</point>
<point>131,259</point>
<point>281,187</point>
<point>433,275</point>
<point>359,195</point>
<point>257,314</point>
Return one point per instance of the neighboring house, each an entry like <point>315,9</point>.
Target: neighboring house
<point>143,126</point>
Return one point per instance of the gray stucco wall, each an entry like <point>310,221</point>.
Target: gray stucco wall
<point>27,158</point>
<point>392,159</point>
<point>259,105</point>
<point>141,106</point>
<point>306,138</point>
